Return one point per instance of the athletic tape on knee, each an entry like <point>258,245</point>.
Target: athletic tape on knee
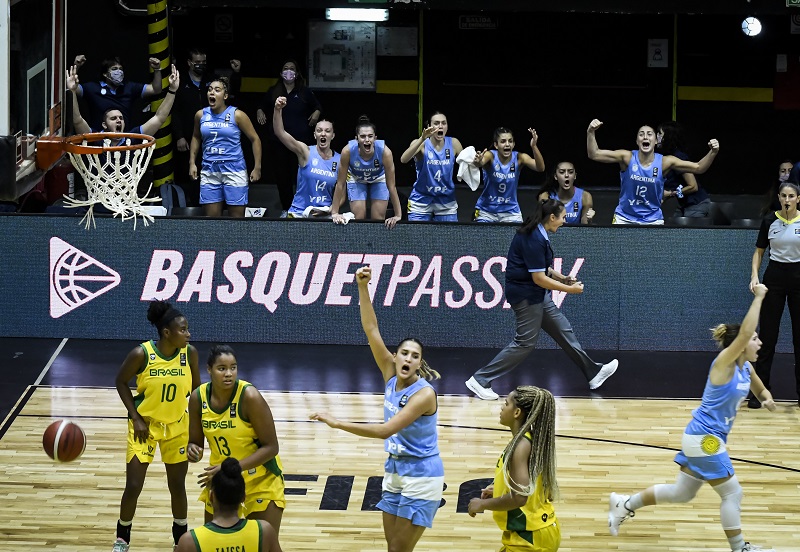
<point>683,490</point>
<point>730,509</point>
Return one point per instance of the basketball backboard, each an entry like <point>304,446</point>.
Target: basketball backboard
<point>32,67</point>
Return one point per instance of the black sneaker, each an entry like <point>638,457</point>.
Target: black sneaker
<point>753,403</point>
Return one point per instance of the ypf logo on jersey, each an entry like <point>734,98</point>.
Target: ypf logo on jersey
<point>76,278</point>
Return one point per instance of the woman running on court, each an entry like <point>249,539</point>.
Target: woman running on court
<point>227,530</point>
<point>237,422</point>
<point>433,196</point>
<point>525,486</point>
<point>166,371</point>
<point>414,474</point>
<point>704,454</point>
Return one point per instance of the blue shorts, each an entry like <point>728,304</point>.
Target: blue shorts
<point>433,217</point>
<point>356,191</point>
<point>430,209</point>
<point>412,488</point>
<point>705,455</point>
<point>230,187</point>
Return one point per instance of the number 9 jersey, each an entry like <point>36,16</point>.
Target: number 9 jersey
<point>163,385</point>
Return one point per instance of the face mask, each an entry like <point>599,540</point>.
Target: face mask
<point>783,177</point>
<point>116,76</point>
<point>199,68</point>
<point>289,75</point>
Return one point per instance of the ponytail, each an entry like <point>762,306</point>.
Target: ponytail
<point>544,209</point>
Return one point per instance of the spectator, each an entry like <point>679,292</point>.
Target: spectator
<point>217,129</point>
<point>113,92</point>
<point>192,97</point>
<point>300,117</point>
<point>693,201</point>
<point>577,201</point>
<point>317,167</point>
<point>771,202</point>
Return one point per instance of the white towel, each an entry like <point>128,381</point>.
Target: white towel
<point>467,172</point>
<point>314,210</point>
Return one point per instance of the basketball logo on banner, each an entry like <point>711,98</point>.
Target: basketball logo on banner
<point>795,25</point>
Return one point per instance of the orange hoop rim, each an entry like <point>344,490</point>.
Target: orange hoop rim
<point>72,144</point>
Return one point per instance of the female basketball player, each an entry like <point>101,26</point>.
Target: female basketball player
<point>367,167</point>
<point>498,202</point>
<point>317,166</point>
<point>237,422</point>
<point>704,455</point>
<point>226,530</point>
<point>577,201</point>
<point>529,280</point>
<point>166,371</point>
<point>433,196</point>
<point>217,130</point>
<point>525,477</point>
<point>779,231</point>
<point>642,174</point>
<point>693,200</point>
<point>414,474</point>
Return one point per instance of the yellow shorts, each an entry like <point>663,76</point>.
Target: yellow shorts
<point>259,492</point>
<point>546,539</point>
<point>171,439</point>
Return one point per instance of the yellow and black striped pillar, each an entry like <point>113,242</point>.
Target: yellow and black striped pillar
<point>158,39</point>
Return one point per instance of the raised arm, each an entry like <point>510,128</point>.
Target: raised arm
<point>536,162</point>
<point>415,147</point>
<point>155,122</point>
<point>725,363</point>
<point>674,163</point>
<point>246,126</point>
<point>78,122</point>
<point>154,88</point>
<point>341,187</point>
<point>587,213</point>
<point>369,322</point>
<point>623,157</point>
<point>299,148</point>
<point>388,169</point>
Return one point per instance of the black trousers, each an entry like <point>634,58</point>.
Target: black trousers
<point>284,163</point>
<point>783,283</point>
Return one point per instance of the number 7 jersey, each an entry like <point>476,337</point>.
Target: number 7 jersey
<point>163,384</point>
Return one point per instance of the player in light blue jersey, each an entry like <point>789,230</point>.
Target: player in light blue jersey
<point>367,169</point>
<point>578,203</point>
<point>223,177</point>
<point>642,174</point>
<point>413,473</point>
<point>501,168</point>
<point>317,166</point>
<point>704,454</point>
<point>433,196</point>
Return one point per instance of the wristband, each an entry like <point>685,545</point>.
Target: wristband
<point>170,91</point>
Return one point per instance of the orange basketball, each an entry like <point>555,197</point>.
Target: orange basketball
<point>64,441</point>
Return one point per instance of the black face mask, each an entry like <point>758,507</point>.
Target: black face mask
<point>199,68</point>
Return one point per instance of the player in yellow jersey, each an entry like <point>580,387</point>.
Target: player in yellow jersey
<point>237,421</point>
<point>166,371</point>
<point>525,477</point>
<point>226,530</point>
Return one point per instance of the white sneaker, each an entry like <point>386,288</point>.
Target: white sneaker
<point>606,371</point>
<point>752,547</point>
<point>484,393</point>
<point>617,512</point>
<point>120,546</point>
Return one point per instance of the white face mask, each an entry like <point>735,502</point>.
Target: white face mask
<point>116,76</point>
<point>289,75</point>
<point>783,177</point>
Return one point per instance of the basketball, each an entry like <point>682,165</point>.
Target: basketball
<point>64,441</point>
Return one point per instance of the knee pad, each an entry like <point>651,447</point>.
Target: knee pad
<point>730,508</point>
<point>683,490</point>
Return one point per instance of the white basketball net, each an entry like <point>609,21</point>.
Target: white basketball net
<point>112,179</point>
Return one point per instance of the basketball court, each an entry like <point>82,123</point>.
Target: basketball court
<point>621,438</point>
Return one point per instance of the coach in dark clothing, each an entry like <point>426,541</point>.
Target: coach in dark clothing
<point>192,97</point>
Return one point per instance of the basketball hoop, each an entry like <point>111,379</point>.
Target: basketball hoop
<point>111,172</point>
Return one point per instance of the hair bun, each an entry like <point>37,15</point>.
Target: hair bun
<point>231,467</point>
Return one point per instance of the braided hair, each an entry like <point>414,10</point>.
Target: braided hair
<point>539,407</point>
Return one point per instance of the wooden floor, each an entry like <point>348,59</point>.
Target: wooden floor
<point>603,445</point>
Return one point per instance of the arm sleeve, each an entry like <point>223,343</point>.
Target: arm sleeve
<point>762,242</point>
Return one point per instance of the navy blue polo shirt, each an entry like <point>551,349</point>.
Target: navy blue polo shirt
<point>100,98</point>
<point>527,254</point>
